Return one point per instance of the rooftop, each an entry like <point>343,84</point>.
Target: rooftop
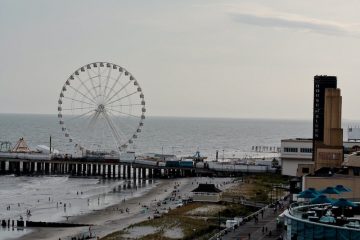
<point>326,215</point>
<point>209,188</point>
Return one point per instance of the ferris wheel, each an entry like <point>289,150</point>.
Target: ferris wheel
<point>101,107</point>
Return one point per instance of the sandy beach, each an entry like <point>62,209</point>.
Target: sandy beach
<point>115,217</point>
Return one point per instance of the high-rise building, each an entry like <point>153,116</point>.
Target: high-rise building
<point>327,131</point>
<point>320,84</point>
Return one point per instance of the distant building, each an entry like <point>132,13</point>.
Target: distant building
<point>327,131</point>
<point>296,155</point>
<point>353,133</point>
<point>321,83</point>
<point>206,193</point>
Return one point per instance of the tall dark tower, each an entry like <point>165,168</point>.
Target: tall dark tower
<point>327,131</point>
<point>320,84</point>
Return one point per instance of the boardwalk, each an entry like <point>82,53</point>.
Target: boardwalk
<point>268,221</point>
<point>260,225</point>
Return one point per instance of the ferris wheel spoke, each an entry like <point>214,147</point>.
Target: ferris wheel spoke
<point>117,92</point>
<point>80,108</point>
<point>121,133</point>
<point>107,82</point>
<point>112,127</point>
<point>119,99</point>
<point>91,80</point>
<point>126,105</point>
<point>128,114</point>
<point>116,81</point>
<point>83,84</point>
<point>82,94</point>
<point>80,116</point>
<point>99,80</point>
<point>77,100</point>
<point>93,120</point>
<point>120,120</point>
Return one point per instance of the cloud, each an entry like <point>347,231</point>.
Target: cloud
<point>297,22</point>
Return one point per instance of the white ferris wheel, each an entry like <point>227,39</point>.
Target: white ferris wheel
<point>101,108</point>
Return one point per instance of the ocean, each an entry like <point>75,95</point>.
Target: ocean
<point>168,135</point>
<point>45,196</point>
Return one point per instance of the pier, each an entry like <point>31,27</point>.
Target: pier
<point>115,168</point>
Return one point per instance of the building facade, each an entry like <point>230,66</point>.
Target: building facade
<point>296,155</point>
<point>300,228</point>
<point>321,83</point>
<point>348,176</point>
<point>327,131</point>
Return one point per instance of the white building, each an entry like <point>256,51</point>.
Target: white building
<point>294,153</point>
<point>206,193</point>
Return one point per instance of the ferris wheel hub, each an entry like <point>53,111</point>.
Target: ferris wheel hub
<point>101,108</point>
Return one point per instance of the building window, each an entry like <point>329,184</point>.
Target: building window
<point>305,170</point>
<point>287,149</point>
<point>306,150</point>
<point>356,171</point>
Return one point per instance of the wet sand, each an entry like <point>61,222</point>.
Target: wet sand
<point>111,219</point>
<point>106,220</point>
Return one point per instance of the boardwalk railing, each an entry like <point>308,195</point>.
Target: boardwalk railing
<point>243,202</point>
<point>245,219</point>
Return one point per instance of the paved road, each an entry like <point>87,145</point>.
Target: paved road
<point>268,221</point>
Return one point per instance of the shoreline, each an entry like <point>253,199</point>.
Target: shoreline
<point>110,219</point>
<point>106,220</point>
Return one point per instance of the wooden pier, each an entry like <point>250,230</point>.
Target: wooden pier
<point>94,168</point>
<point>115,168</point>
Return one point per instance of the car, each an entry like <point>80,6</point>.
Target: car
<point>179,205</point>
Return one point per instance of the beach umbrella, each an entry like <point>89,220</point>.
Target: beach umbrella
<point>314,190</point>
<point>322,199</point>
<point>327,219</point>
<point>307,194</point>
<point>341,188</point>
<point>330,190</point>
<point>342,202</point>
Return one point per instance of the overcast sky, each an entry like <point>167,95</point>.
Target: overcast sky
<point>239,59</point>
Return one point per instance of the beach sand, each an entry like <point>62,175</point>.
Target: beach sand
<point>111,219</point>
